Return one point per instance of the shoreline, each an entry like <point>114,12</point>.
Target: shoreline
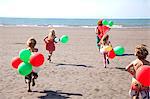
<point>63,26</point>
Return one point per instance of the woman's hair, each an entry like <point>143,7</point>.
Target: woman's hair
<point>105,38</point>
<point>141,51</point>
<point>31,42</point>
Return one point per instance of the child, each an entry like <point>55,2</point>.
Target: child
<point>31,42</point>
<point>141,52</point>
<point>100,31</point>
<point>105,42</point>
<point>49,41</point>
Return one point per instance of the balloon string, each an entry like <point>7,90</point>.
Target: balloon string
<point>117,61</point>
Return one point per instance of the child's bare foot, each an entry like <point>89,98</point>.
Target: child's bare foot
<point>48,58</point>
<point>50,61</point>
<point>104,66</point>
<point>29,90</point>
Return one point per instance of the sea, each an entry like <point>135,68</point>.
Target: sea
<point>63,22</point>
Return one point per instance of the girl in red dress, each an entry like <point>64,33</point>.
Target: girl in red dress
<point>50,43</point>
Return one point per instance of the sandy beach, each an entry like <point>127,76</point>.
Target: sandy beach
<point>76,71</point>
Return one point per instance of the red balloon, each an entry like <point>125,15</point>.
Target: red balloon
<point>105,28</point>
<point>111,54</point>
<point>15,62</point>
<point>37,59</point>
<point>143,75</point>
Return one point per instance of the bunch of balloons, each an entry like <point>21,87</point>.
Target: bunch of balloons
<point>112,52</point>
<point>105,22</point>
<point>26,60</point>
<point>63,39</point>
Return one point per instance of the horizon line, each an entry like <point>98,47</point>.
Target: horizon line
<point>70,18</point>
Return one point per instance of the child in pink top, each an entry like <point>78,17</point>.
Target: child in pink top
<point>50,43</point>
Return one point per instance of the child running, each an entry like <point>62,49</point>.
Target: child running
<point>100,32</point>
<point>104,43</point>
<point>50,43</point>
<point>141,53</point>
<point>31,42</point>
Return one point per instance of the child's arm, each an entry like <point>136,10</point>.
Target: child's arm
<point>130,69</point>
<point>96,31</point>
<point>35,50</point>
<point>110,44</point>
<point>56,39</point>
<point>45,39</point>
<point>100,42</point>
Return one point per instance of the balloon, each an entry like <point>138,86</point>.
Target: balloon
<point>64,39</point>
<point>103,29</point>
<point>105,22</point>
<point>24,68</point>
<point>37,59</point>
<point>24,55</point>
<point>119,50</point>
<point>111,23</point>
<point>143,75</point>
<point>107,48</point>
<point>15,62</point>
<point>56,40</point>
<point>111,54</point>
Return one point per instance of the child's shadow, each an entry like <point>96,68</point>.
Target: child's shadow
<point>56,94</point>
<point>80,65</point>
<point>120,68</point>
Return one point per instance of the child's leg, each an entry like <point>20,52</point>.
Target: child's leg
<point>134,94</point>
<point>97,42</point>
<point>33,82</point>
<point>29,77</point>
<point>50,55</point>
<point>29,88</point>
<point>34,76</point>
<point>145,94</point>
<point>28,81</point>
<point>104,60</point>
<point>107,59</point>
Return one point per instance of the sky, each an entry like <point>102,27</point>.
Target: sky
<point>75,8</point>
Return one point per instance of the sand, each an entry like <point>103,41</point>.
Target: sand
<point>76,71</point>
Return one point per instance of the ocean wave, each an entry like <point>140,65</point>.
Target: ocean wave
<point>73,26</point>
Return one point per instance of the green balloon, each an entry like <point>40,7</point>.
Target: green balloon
<point>24,55</point>
<point>24,68</point>
<point>119,50</point>
<point>64,39</point>
<point>105,22</point>
<point>111,23</point>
